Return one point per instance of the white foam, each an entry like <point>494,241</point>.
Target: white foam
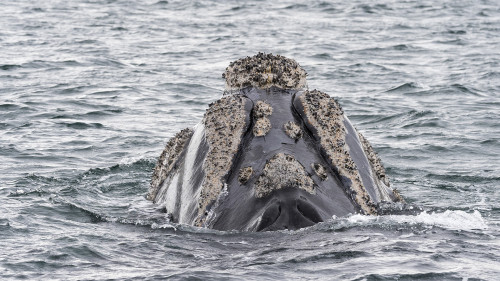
<point>163,226</point>
<point>125,161</point>
<point>454,220</point>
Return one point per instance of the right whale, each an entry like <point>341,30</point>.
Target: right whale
<point>269,155</point>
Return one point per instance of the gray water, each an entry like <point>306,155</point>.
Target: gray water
<point>92,90</point>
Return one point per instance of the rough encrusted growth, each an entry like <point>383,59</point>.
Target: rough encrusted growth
<point>264,71</point>
<point>374,160</point>
<point>224,124</point>
<point>262,124</point>
<point>261,127</point>
<point>167,160</point>
<point>262,109</point>
<point>293,130</point>
<point>245,174</point>
<point>397,196</point>
<point>281,171</point>
<point>320,171</point>
<point>326,116</point>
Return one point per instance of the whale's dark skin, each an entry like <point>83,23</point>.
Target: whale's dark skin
<point>240,169</point>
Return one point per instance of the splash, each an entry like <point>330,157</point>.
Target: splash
<point>453,220</point>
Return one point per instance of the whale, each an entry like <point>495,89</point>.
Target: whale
<point>270,154</point>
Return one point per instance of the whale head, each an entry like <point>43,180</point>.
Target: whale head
<point>269,155</point>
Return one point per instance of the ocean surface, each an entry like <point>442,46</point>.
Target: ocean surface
<point>91,91</point>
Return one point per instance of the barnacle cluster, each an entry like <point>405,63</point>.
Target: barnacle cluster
<point>326,116</point>
<point>292,130</point>
<point>281,171</point>
<point>264,71</point>
<point>262,124</point>
<point>225,124</point>
<point>167,160</point>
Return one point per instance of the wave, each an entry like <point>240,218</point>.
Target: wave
<point>404,88</point>
<point>464,89</point>
<point>82,125</point>
<point>162,2</point>
<point>90,114</point>
<point>9,66</point>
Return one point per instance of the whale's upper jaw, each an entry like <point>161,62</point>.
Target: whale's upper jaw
<point>265,71</point>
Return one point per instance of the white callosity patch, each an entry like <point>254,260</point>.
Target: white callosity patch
<point>281,171</point>
<point>320,170</point>
<point>261,127</point>
<point>264,71</point>
<point>326,116</point>
<point>262,124</point>
<point>245,174</point>
<point>379,170</point>
<point>224,124</point>
<point>167,160</point>
<point>292,130</point>
<point>262,109</point>
<point>374,160</point>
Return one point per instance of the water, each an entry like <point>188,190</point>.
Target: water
<point>91,91</point>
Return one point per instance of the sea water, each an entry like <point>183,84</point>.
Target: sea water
<point>91,90</point>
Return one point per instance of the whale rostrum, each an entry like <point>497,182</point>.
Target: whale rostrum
<point>269,155</point>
